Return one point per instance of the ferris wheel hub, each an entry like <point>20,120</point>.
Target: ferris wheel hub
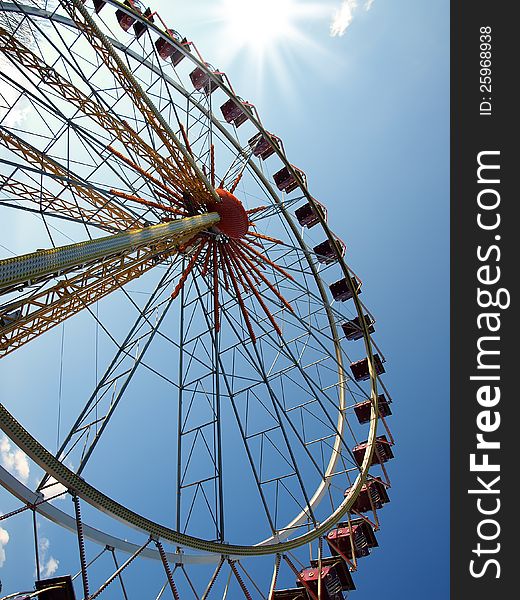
<point>234,220</point>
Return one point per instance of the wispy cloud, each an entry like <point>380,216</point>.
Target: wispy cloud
<point>344,16</point>
<point>4,539</point>
<point>15,460</point>
<point>48,566</point>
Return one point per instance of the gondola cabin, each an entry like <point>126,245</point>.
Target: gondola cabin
<point>360,368</point>
<point>286,181</point>
<point>124,19</point>
<point>352,540</point>
<point>202,81</point>
<point>382,452</point>
<point>363,409</point>
<point>373,496</point>
<point>164,48</point>
<point>261,147</point>
<point>341,291</point>
<point>352,329</point>
<point>345,578</point>
<point>325,252</point>
<point>308,215</point>
<point>233,112</point>
<point>331,588</point>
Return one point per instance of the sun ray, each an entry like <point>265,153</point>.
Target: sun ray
<point>272,35</point>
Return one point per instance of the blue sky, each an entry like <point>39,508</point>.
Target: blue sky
<point>366,116</point>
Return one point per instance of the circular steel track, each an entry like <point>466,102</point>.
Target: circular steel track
<point>282,540</point>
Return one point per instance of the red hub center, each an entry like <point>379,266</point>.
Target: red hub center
<point>234,221</point>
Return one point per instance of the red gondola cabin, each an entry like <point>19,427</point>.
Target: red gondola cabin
<point>363,538</point>
<point>345,578</point>
<point>261,146</point>
<point>98,5</point>
<point>373,496</point>
<point>325,252</point>
<point>177,55</point>
<point>382,453</point>
<point>124,19</point>
<point>233,112</point>
<point>331,588</point>
<point>340,289</point>
<point>308,216</point>
<point>360,368</point>
<point>352,329</point>
<point>286,181</point>
<point>64,592</point>
<point>363,409</point>
<point>202,81</point>
<point>164,48</point>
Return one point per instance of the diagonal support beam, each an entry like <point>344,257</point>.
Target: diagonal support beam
<point>37,265</point>
<point>23,320</point>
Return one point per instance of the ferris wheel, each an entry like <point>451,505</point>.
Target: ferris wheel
<point>218,429</point>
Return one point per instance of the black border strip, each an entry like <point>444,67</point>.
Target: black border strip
<point>484,124</point>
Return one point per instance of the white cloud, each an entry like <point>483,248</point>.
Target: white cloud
<point>15,461</point>
<point>48,566</point>
<point>43,544</point>
<point>344,16</point>
<point>4,539</point>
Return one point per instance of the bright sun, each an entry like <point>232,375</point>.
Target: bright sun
<point>258,24</point>
<point>270,35</point>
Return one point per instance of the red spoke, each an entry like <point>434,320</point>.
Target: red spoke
<point>265,237</point>
<point>252,211</point>
<point>229,253</point>
<point>257,244</point>
<point>150,203</point>
<point>246,245</point>
<point>265,280</point>
<point>179,200</point>
<point>252,273</point>
<point>242,271</point>
<point>300,578</point>
<point>240,580</point>
<point>235,183</point>
<point>144,173</point>
<point>187,270</point>
<point>240,300</point>
<point>186,140</point>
